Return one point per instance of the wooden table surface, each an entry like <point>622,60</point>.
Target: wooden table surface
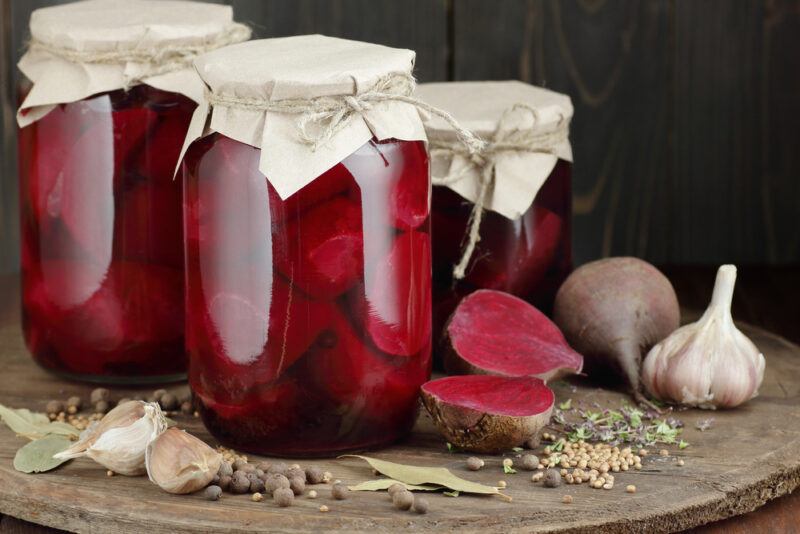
<point>756,289</point>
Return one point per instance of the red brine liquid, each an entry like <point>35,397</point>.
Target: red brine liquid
<point>102,238</point>
<point>529,257</point>
<point>308,319</point>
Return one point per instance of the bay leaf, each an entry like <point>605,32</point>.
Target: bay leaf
<point>440,476</point>
<point>384,484</point>
<point>33,425</point>
<point>37,456</point>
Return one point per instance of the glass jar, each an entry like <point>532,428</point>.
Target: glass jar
<point>102,241</point>
<point>309,319</point>
<point>529,257</point>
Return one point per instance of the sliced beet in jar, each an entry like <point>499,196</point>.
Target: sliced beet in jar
<point>101,130</point>
<point>308,268</point>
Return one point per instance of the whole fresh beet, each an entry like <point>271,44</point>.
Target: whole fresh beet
<point>613,311</point>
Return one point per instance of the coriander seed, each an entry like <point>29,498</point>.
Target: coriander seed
<point>257,497</point>
<point>474,463</point>
<point>54,407</point>
<point>508,462</point>
<point>680,462</point>
<point>630,488</point>
<point>99,394</point>
<point>323,508</point>
<point>501,484</point>
<point>312,494</point>
<point>566,499</point>
<point>663,452</point>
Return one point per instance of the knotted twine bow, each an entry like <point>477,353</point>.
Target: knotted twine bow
<point>151,61</point>
<point>321,118</point>
<point>504,141</point>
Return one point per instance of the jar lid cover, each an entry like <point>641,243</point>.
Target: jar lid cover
<point>526,129</point>
<point>103,25</point>
<point>86,48</point>
<point>307,102</point>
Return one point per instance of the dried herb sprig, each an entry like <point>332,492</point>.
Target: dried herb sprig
<point>628,424</point>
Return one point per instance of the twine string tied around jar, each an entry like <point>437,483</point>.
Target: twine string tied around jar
<point>504,140</point>
<point>151,60</point>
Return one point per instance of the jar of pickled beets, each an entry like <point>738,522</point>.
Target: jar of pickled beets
<point>101,128</point>
<point>520,241</point>
<point>307,201</point>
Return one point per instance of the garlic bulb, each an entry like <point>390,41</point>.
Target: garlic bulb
<point>119,441</point>
<point>180,463</point>
<point>710,363</point>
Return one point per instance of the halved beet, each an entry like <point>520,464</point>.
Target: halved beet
<point>398,300</point>
<point>130,127</point>
<point>488,413</point>
<point>151,226</point>
<point>323,252</point>
<point>495,333</point>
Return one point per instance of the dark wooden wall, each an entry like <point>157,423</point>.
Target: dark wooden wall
<point>687,124</point>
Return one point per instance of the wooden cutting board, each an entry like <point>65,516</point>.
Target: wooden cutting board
<point>751,455</point>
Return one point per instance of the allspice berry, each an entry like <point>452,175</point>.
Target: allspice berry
<point>238,465</point>
<point>283,497</point>
<point>54,407</point>
<point>552,478</point>
<point>75,403</point>
<point>212,493</point>
<point>225,468</point>
<point>474,463</point>
<point>420,505</point>
<point>256,484</point>
<point>339,492</point>
<point>99,394</point>
<point>264,466</point>
<point>225,482</point>
<point>168,402</point>
<point>157,394</point>
<point>240,483</point>
<point>187,408</point>
<point>278,469</point>
<point>403,500</point>
<point>314,475</point>
<point>394,488</point>
<point>530,462</point>
<point>297,485</point>
<point>295,471</point>
<point>276,482</point>
<point>102,407</point>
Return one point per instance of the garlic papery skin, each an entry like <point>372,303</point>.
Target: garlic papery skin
<point>180,463</point>
<point>708,364</point>
<point>119,441</point>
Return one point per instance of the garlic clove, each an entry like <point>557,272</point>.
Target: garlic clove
<point>710,363</point>
<point>119,441</point>
<point>180,463</point>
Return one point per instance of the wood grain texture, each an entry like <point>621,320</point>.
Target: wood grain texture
<point>752,455</point>
<point>682,130</point>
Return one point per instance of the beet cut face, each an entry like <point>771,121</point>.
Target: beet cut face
<point>495,333</point>
<point>482,413</point>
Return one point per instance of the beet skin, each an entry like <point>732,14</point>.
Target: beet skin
<point>613,311</point>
